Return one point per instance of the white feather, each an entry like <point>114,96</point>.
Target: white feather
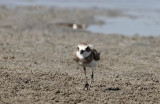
<point>83,55</point>
<point>91,46</point>
<point>75,26</point>
<point>86,54</point>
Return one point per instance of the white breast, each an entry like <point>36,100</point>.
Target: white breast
<point>75,26</point>
<point>92,64</point>
<point>82,56</point>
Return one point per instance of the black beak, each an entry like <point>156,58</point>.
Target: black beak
<point>81,51</point>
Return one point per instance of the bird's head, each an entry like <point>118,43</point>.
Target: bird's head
<point>84,50</point>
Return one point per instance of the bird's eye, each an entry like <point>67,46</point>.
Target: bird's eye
<point>88,49</point>
<point>77,48</point>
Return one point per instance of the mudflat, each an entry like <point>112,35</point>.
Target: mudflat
<point>36,62</point>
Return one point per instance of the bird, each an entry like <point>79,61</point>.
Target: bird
<point>86,56</point>
<point>74,26</point>
<point>78,26</point>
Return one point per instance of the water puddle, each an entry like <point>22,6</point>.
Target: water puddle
<point>142,26</point>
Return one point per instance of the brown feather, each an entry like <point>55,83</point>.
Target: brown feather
<point>96,55</point>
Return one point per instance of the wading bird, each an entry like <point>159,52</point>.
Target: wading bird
<point>86,56</point>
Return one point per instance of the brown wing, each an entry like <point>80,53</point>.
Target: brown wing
<point>96,55</point>
<point>75,58</point>
<point>65,24</point>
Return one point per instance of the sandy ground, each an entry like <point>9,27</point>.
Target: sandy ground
<point>36,64</point>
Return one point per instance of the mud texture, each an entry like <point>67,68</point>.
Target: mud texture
<point>36,65</point>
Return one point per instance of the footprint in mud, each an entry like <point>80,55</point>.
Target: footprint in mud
<point>113,89</point>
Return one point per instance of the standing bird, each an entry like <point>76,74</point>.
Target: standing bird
<point>74,26</point>
<point>86,56</point>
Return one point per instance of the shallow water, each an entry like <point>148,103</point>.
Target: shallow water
<point>116,4</point>
<point>127,26</point>
<point>146,11</point>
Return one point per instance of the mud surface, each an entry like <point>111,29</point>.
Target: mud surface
<point>36,64</point>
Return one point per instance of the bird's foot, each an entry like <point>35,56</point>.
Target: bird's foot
<point>91,76</point>
<point>92,81</point>
<point>86,86</point>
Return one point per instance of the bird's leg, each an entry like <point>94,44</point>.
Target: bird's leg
<point>85,72</point>
<point>92,75</point>
<point>86,85</point>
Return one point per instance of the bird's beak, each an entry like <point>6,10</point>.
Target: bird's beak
<point>81,51</point>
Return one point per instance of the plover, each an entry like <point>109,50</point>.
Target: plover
<point>78,26</point>
<point>74,26</point>
<point>86,56</point>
